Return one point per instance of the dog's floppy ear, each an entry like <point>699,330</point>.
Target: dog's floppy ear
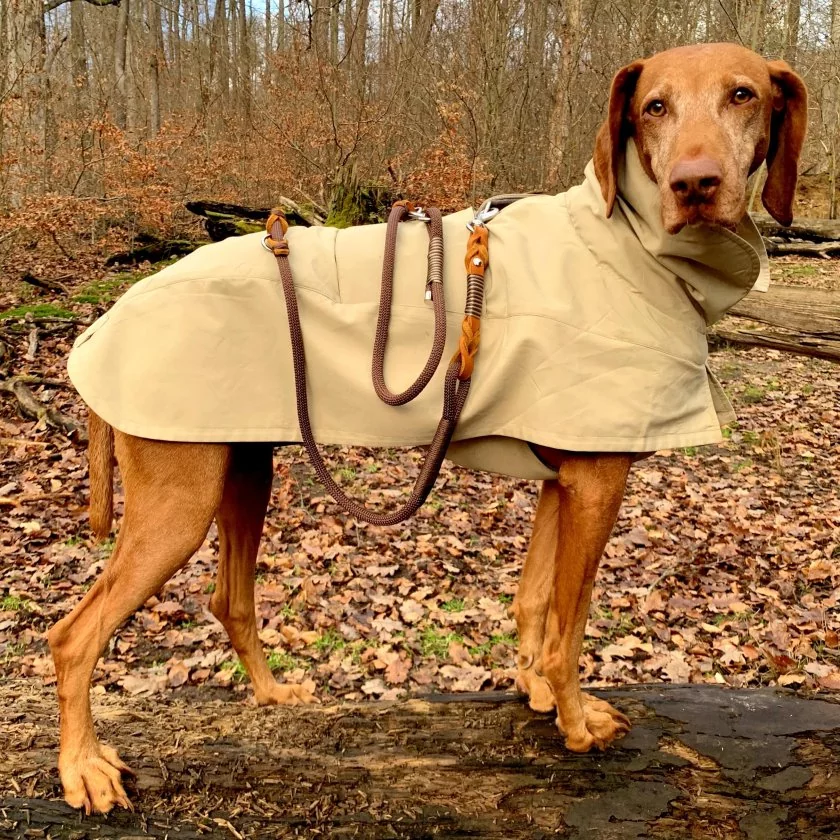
<point>609,144</point>
<point>788,123</point>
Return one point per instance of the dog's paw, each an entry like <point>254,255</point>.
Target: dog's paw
<point>601,725</point>
<point>540,695</point>
<point>289,694</point>
<point>93,779</point>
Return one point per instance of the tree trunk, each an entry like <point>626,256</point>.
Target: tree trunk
<point>244,65</point>
<point>569,36</point>
<point>790,47</point>
<point>360,33</point>
<point>78,56</point>
<point>5,70</point>
<point>155,54</point>
<point>830,110</point>
<point>281,25</point>
<point>423,19</point>
<point>334,27</point>
<point>174,38</point>
<point>220,57</point>
<point>120,55</point>
<point>758,23</point>
<point>44,97</point>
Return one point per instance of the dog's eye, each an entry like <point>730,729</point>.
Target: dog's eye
<point>742,95</point>
<point>656,108</point>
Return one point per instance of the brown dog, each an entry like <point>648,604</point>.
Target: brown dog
<point>703,118</point>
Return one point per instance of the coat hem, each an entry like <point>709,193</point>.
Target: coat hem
<point>566,442</point>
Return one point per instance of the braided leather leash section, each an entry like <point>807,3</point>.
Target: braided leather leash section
<point>455,390</point>
<point>476,260</point>
<point>434,287</point>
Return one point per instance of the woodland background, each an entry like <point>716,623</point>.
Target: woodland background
<point>724,563</point>
<point>112,113</point>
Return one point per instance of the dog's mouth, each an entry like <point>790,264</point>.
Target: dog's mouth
<point>700,213</point>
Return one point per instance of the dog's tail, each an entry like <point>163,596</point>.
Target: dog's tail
<point>101,462</point>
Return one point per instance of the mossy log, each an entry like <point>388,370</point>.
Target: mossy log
<point>222,220</point>
<point>154,251</point>
<point>701,761</point>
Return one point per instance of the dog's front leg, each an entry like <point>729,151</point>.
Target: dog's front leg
<point>591,487</point>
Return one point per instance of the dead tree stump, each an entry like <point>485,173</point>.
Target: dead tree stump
<point>701,762</point>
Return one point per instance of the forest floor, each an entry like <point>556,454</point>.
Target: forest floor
<point>723,566</point>
<point>723,569</point>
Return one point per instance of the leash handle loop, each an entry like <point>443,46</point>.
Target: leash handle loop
<point>434,292</point>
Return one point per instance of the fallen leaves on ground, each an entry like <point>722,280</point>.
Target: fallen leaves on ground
<point>724,565</point>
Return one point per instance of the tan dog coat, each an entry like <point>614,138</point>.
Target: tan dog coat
<point>593,336</point>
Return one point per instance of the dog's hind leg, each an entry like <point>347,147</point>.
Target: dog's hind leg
<point>172,491</point>
<point>530,606</point>
<point>240,519</point>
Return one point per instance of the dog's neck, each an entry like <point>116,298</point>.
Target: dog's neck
<point>713,263</point>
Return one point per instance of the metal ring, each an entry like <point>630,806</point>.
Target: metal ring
<point>266,237</point>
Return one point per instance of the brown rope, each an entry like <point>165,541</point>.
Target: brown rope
<point>455,392</point>
<point>434,285</point>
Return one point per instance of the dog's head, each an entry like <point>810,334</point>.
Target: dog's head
<point>704,118</point>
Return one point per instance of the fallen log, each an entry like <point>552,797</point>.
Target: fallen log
<point>812,230</point>
<point>700,761</point>
<point>811,311</point>
<point>30,406</point>
<point>49,285</point>
<point>807,322</point>
<point>222,220</point>
<point>154,251</point>
<point>802,249</point>
<point>805,345</point>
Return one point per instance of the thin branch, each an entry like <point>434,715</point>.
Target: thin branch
<point>49,5</point>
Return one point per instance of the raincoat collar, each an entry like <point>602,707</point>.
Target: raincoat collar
<point>716,266</point>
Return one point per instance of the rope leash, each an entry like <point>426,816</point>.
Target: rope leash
<point>434,292</point>
<point>458,374</point>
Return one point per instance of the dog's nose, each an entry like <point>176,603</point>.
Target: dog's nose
<point>696,179</point>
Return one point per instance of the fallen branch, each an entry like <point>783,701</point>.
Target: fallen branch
<point>32,346</point>
<point>4,441</point>
<point>46,319</point>
<point>19,501</point>
<point>29,379</point>
<point>154,251</point>
<point>47,285</point>
<point>30,406</point>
